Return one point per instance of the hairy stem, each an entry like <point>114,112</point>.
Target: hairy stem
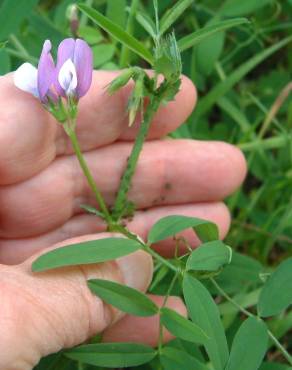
<point>126,180</point>
<point>123,230</point>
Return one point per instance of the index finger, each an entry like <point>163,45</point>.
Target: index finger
<point>30,138</point>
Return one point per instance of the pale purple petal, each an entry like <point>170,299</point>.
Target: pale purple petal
<point>25,78</point>
<point>65,52</point>
<point>46,71</point>
<point>83,60</point>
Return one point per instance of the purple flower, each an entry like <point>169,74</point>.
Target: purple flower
<point>38,81</point>
<point>70,78</point>
<point>74,68</point>
<point>46,73</point>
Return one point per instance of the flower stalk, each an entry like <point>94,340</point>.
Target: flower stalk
<point>74,140</point>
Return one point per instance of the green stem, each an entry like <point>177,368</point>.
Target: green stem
<point>271,143</point>
<point>169,290</point>
<point>88,175</point>
<point>231,300</point>
<point>247,313</point>
<point>21,56</point>
<point>18,45</point>
<point>161,259</point>
<point>123,230</point>
<point>125,184</point>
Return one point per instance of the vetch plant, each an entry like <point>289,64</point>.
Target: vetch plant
<point>59,87</point>
<point>70,79</point>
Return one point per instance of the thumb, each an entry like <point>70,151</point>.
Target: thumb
<point>45,312</point>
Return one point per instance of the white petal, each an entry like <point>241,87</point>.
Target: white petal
<point>68,77</point>
<point>25,78</point>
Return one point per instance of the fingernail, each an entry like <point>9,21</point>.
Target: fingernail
<point>137,270</point>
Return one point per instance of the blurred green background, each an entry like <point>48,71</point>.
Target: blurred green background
<point>243,77</point>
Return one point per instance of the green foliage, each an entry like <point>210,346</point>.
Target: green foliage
<point>207,31</point>
<point>204,313</point>
<point>94,251</point>
<point>112,355</point>
<point>181,327</point>
<point>173,14</point>
<point>117,32</point>
<point>171,225</point>
<point>209,257</point>
<point>174,359</point>
<point>147,23</point>
<point>249,346</point>
<point>233,8</point>
<point>126,299</point>
<point>15,13</point>
<point>223,87</point>
<point>276,296</point>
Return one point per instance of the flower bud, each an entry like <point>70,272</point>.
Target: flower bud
<point>136,100</point>
<point>168,60</point>
<point>120,81</point>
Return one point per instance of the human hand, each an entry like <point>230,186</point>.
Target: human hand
<point>42,188</point>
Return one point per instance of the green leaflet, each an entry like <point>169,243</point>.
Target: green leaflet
<point>93,251</point>
<point>126,299</point>
<point>175,359</point>
<point>112,354</point>
<point>171,225</point>
<point>210,256</point>
<point>249,346</point>
<point>205,313</point>
<point>277,293</point>
<point>182,327</point>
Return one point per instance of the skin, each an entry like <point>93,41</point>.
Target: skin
<point>41,189</point>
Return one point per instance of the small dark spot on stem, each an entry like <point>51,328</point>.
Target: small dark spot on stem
<point>168,186</point>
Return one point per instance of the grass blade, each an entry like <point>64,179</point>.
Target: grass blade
<point>200,35</point>
<point>173,14</point>
<point>117,32</point>
<point>223,87</point>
